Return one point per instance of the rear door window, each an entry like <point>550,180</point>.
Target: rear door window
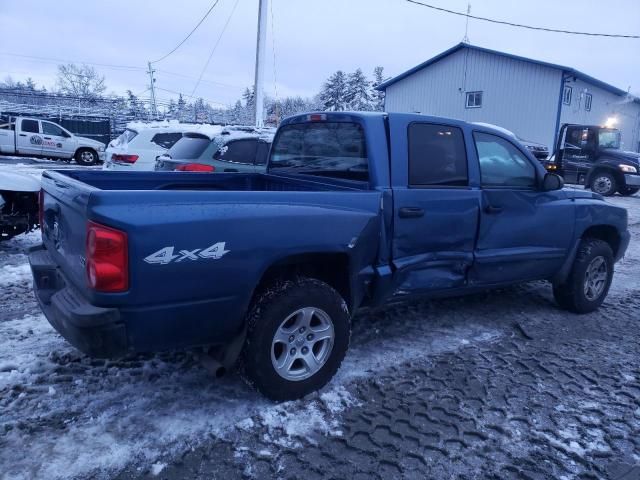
<point>166,140</point>
<point>262,153</point>
<point>238,151</point>
<point>437,155</point>
<point>334,149</point>
<point>30,126</point>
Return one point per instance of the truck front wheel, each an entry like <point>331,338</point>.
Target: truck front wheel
<point>298,334</point>
<point>590,278</point>
<point>86,157</point>
<point>604,183</point>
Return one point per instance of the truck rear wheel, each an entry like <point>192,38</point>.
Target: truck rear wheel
<point>604,183</point>
<point>298,334</point>
<point>588,283</point>
<point>86,157</point>
<point>628,191</point>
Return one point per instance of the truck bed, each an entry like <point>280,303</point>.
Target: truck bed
<point>260,182</point>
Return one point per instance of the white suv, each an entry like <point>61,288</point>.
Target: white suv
<point>140,144</point>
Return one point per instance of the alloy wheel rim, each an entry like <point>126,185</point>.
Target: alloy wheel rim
<point>595,278</point>
<point>86,156</point>
<point>302,344</point>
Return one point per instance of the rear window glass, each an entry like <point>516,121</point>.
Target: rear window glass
<point>166,140</point>
<point>124,138</point>
<point>189,147</point>
<point>437,155</point>
<point>30,126</point>
<point>238,151</point>
<point>335,149</point>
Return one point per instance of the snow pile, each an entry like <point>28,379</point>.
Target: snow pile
<point>289,423</point>
<point>13,274</point>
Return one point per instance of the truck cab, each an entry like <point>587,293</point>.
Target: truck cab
<point>35,137</point>
<point>591,155</point>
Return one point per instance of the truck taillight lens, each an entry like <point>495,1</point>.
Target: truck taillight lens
<point>41,209</point>
<point>195,167</point>
<point>107,258</point>
<point>121,158</point>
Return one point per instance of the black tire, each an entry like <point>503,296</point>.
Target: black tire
<point>265,319</point>
<point>628,191</point>
<point>604,183</point>
<point>86,157</point>
<point>571,294</point>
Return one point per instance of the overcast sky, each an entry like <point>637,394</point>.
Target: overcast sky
<point>312,39</point>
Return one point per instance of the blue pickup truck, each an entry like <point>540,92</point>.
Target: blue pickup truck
<point>265,270</point>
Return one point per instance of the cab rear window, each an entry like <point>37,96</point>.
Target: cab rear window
<point>334,149</point>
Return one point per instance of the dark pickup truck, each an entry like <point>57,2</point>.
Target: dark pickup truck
<point>355,209</point>
<point>590,155</point>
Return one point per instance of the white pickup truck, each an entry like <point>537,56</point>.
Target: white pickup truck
<point>40,138</point>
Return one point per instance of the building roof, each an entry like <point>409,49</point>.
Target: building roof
<point>460,46</point>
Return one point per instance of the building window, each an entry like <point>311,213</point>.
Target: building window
<point>566,95</point>
<point>587,102</point>
<point>474,99</point>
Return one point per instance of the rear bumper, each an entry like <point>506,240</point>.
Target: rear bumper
<point>632,180</point>
<point>96,331</point>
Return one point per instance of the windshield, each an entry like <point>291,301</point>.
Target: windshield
<point>189,147</point>
<point>609,138</point>
<point>335,149</point>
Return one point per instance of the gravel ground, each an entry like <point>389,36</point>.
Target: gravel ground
<point>498,385</point>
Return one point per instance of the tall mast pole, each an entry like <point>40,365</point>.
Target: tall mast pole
<point>152,87</point>
<point>263,9</point>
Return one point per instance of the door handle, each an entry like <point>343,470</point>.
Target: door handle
<point>490,209</point>
<point>22,134</point>
<point>411,212</point>
<point>47,138</point>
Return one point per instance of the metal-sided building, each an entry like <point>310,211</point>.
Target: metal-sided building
<point>529,97</point>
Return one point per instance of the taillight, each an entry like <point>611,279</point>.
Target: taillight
<point>122,158</point>
<point>195,167</point>
<point>107,258</point>
<point>41,209</point>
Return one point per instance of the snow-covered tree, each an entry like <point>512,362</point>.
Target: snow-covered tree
<point>357,95</point>
<point>333,92</point>
<point>80,81</point>
<point>377,96</point>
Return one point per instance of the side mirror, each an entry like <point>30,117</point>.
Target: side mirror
<point>552,182</point>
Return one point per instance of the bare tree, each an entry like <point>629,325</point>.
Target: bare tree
<point>80,81</point>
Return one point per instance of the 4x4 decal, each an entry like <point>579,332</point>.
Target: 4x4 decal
<point>166,255</point>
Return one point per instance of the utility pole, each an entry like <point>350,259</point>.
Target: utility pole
<point>152,87</point>
<point>263,9</point>
<point>466,27</point>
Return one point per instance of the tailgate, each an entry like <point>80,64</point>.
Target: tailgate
<point>65,224</point>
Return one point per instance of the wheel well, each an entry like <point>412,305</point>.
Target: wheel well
<point>85,148</point>
<point>331,268</point>
<point>615,173</point>
<point>606,233</point>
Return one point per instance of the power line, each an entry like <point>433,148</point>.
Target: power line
<point>224,28</point>
<point>519,25</point>
<point>190,33</point>
<point>59,60</point>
